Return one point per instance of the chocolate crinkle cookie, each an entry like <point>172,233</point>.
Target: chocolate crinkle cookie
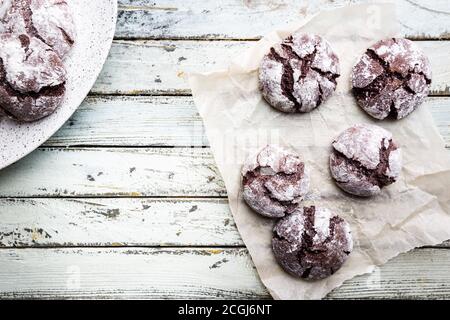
<point>32,78</point>
<point>365,159</point>
<point>299,74</point>
<point>48,20</point>
<point>312,243</point>
<point>274,181</point>
<point>391,79</point>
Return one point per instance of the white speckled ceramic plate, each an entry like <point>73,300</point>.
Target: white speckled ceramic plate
<point>95,23</point>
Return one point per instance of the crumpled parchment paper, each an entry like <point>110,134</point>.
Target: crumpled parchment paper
<point>413,212</point>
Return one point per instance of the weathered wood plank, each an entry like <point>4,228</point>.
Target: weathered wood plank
<point>195,273</point>
<point>238,19</point>
<point>113,172</point>
<point>128,273</point>
<point>47,222</point>
<point>419,274</point>
<point>160,67</point>
<point>116,222</point>
<point>133,121</point>
<point>162,121</point>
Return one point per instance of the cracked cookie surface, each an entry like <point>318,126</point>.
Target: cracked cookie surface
<point>312,243</point>
<point>274,181</point>
<point>365,159</point>
<point>299,74</point>
<point>32,78</point>
<point>49,20</point>
<point>392,78</point>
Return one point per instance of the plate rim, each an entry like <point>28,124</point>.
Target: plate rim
<point>50,133</point>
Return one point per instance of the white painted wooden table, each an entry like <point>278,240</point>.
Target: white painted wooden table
<point>125,201</point>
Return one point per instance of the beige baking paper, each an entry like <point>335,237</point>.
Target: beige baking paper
<point>413,212</point>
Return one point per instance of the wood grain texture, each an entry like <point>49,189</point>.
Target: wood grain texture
<point>128,273</point>
<point>80,222</point>
<point>149,273</point>
<point>419,274</point>
<point>237,19</point>
<point>133,121</point>
<point>116,222</point>
<point>112,172</point>
<point>163,121</point>
<point>161,67</point>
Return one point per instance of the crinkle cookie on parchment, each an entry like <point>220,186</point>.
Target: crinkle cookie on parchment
<point>274,181</point>
<point>299,74</point>
<point>365,158</point>
<point>391,79</point>
<point>312,243</point>
<point>412,212</point>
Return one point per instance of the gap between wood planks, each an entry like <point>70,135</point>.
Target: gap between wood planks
<point>59,143</point>
<point>169,68</point>
<point>119,197</point>
<point>95,146</point>
<point>124,246</point>
<point>61,224</point>
<point>183,93</point>
<point>203,39</point>
<point>183,247</point>
<point>242,20</point>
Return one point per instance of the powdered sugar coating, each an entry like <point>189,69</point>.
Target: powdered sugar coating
<point>32,77</point>
<point>30,64</point>
<point>393,77</point>
<point>299,74</point>
<point>312,242</point>
<point>5,6</point>
<point>395,164</point>
<point>274,181</point>
<point>365,159</point>
<point>362,143</point>
<point>49,20</point>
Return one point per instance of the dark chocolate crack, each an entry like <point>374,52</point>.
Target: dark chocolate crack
<point>307,240</point>
<point>332,227</point>
<point>66,36</point>
<point>377,176</point>
<point>287,78</point>
<point>27,14</point>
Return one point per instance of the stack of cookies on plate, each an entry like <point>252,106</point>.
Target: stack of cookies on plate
<point>35,37</point>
